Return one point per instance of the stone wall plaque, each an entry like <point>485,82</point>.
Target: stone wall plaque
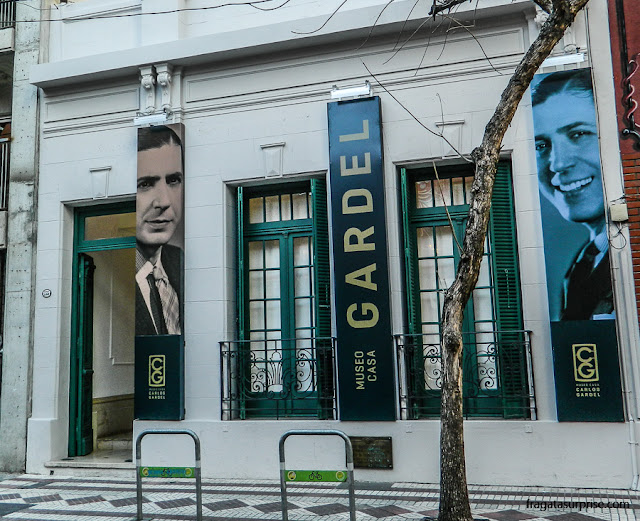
<point>371,452</point>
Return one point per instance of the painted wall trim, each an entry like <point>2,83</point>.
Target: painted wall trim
<point>238,44</point>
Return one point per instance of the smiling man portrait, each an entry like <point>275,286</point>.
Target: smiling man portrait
<point>159,231</point>
<point>569,176</point>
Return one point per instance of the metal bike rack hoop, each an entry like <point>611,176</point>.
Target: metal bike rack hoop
<point>349,454</point>
<point>197,470</point>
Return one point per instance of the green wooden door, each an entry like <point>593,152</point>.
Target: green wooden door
<point>101,228</point>
<point>84,339</point>
<point>281,324</point>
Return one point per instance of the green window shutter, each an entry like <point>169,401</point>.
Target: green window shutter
<point>413,345</point>
<point>241,274</point>
<point>410,252</point>
<point>513,376</point>
<point>321,260</point>
<point>323,298</point>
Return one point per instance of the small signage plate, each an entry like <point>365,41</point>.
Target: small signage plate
<point>372,452</point>
<point>159,377</point>
<point>167,472</point>
<point>316,475</point>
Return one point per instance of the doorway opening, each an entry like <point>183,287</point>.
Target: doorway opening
<point>102,333</point>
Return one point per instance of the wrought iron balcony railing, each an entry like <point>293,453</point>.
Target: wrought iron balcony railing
<point>497,375</point>
<point>7,13</point>
<point>278,378</point>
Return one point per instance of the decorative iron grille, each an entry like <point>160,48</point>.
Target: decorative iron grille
<point>278,378</point>
<point>4,174</point>
<point>497,375</point>
<point>7,13</point>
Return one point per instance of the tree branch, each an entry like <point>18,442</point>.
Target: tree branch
<point>462,26</point>
<point>438,134</point>
<point>487,154</point>
<point>576,5</point>
<point>454,498</point>
<point>545,5</point>
<point>442,5</point>
<point>404,24</point>
<point>373,26</point>
<point>398,49</point>
<point>335,11</point>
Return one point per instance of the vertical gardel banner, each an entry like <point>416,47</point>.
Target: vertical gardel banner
<point>159,344</point>
<point>576,248</point>
<point>366,388</point>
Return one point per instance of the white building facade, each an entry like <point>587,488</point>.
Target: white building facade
<point>251,87</point>
<point>19,111</point>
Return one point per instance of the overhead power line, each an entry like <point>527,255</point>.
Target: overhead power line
<point>256,4</point>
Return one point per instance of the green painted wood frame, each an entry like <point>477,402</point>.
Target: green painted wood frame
<point>506,283</point>
<point>78,371</point>
<point>285,232</point>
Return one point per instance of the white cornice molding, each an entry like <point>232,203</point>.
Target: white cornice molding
<point>80,122</point>
<point>275,38</point>
<point>78,12</point>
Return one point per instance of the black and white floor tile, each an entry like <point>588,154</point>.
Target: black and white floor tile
<point>36,498</point>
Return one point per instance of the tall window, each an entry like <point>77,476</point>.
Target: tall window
<point>284,315</point>
<point>435,208</point>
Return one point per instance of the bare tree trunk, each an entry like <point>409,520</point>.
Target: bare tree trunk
<point>454,497</point>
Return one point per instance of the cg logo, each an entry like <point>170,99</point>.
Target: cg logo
<point>585,363</point>
<point>156,371</point>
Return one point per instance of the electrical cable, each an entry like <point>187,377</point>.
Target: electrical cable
<point>252,3</point>
<point>618,234</point>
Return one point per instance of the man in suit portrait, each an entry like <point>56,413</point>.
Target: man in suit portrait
<point>159,226</point>
<point>569,176</point>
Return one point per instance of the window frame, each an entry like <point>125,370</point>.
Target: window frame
<point>314,227</point>
<point>508,398</point>
<point>83,246</point>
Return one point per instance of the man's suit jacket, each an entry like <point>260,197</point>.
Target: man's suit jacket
<point>593,296</point>
<point>171,258</point>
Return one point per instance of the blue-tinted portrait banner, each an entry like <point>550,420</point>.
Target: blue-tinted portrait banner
<point>576,242</point>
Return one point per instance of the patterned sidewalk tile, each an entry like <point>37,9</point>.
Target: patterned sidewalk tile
<point>32,498</point>
<point>225,505</point>
<point>84,500</point>
<point>9,508</point>
<point>509,515</point>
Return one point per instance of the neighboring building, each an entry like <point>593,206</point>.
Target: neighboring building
<point>625,48</point>
<point>265,316</point>
<point>19,111</point>
<point>624,27</point>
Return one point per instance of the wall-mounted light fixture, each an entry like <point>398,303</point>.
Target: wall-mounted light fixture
<point>362,91</point>
<point>563,59</point>
<point>151,119</point>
